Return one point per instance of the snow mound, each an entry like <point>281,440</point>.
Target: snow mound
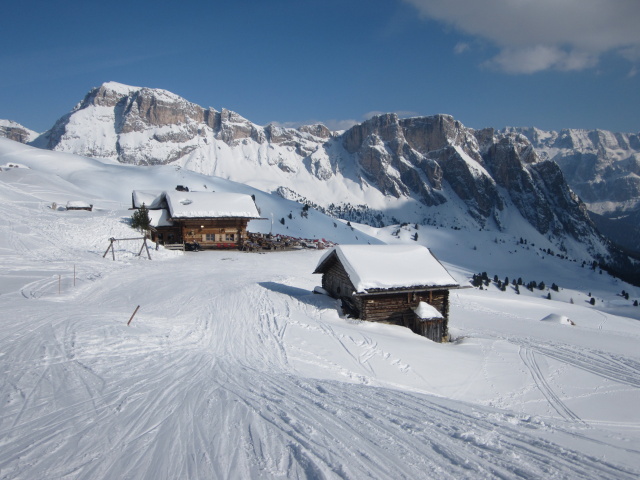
<point>424,311</point>
<point>556,318</point>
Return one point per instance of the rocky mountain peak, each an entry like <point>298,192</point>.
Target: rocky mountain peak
<point>16,132</point>
<point>430,161</point>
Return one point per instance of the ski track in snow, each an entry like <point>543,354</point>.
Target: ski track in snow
<point>529,359</point>
<point>209,380</point>
<point>87,400</point>
<point>268,422</point>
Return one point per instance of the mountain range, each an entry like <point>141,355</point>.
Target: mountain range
<point>429,170</point>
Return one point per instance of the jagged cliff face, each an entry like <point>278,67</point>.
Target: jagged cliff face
<point>485,169</point>
<point>603,168</point>
<point>145,126</point>
<point>430,163</point>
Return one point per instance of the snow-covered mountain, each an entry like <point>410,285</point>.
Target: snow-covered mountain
<point>233,368</point>
<point>14,131</point>
<point>603,168</point>
<point>429,170</point>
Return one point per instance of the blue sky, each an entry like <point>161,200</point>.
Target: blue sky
<point>493,63</point>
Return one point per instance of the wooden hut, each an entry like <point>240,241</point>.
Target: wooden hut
<point>397,284</point>
<point>206,219</point>
<point>79,205</point>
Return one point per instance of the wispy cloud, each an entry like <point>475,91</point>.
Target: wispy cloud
<point>536,35</point>
<point>461,47</point>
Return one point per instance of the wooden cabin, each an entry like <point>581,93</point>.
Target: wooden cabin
<point>79,205</point>
<point>397,284</point>
<point>208,220</point>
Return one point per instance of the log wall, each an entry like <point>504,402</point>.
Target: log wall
<point>397,309</point>
<point>336,281</point>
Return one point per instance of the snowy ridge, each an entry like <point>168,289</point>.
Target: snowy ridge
<point>603,168</point>
<point>423,169</point>
<point>17,132</point>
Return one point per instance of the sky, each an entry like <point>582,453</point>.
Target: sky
<point>551,64</point>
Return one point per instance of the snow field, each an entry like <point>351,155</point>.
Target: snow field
<point>233,368</point>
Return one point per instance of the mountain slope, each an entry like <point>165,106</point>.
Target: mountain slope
<point>385,170</point>
<point>604,169</point>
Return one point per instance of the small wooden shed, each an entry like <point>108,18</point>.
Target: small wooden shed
<point>79,205</point>
<point>397,284</point>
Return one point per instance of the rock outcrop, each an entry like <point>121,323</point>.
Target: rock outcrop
<point>603,168</point>
<point>16,132</point>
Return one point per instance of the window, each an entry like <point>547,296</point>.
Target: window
<point>231,237</point>
<point>210,237</point>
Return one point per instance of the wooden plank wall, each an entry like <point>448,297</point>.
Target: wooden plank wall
<point>336,281</point>
<point>394,308</point>
<point>397,308</point>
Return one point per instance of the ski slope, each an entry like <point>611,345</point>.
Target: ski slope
<point>232,368</point>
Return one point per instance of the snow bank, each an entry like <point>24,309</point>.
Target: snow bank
<point>556,318</point>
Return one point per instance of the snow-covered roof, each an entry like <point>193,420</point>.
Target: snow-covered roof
<point>372,267</point>
<point>159,218</point>
<point>210,205</point>
<point>78,204</point>
<point>152,199</point>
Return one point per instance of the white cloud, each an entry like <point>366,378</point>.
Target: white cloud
<point>535,35</point>
<point>461,47</point>
<point>539,58</point>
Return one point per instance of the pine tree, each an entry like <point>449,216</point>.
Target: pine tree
<point>140,218</point>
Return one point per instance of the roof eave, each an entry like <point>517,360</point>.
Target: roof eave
<point>421,288</point>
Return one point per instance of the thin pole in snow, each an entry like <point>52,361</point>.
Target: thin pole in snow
<point>59,282</point>
<point>74,274</point>
<point>133,315</point>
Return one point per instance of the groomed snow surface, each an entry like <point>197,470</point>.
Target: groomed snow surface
<point>233,368</point>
